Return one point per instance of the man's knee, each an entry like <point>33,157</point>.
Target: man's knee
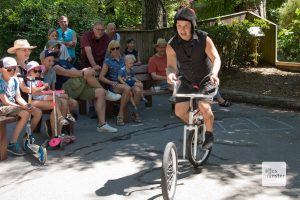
<point>99,93</point>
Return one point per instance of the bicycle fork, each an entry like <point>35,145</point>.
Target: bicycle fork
<point>190,127</point>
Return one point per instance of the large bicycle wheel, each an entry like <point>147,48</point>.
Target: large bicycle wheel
<point>201,155</point>
<point>169,171</point>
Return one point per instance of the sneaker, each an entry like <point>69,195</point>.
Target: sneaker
<point>15,149</point>
<point>172,99</point>
<point>136,117</point>
<point>110,96</point>
<point>92,113</point>
<point>106,128</point>
<point>144,99</point>
<point>209,141</point>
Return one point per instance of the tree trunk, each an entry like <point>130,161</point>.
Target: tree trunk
<point>262,8</point>
<point>154,14</point>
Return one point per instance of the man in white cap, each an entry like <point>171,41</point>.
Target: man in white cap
<point>12,104</point>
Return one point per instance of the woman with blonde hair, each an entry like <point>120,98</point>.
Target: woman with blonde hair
<point>109,75</point>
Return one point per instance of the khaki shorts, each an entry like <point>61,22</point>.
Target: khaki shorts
<point>10,111</point>
<point>77,88</point>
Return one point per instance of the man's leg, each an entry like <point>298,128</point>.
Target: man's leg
<point>208,117</point>
<point>181,111</point>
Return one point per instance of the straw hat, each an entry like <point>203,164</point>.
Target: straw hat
<point>160,41</point>
<point>20,44</point>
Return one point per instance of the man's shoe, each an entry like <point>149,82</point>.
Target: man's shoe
<point>110,96</point>
<point>106,128</point>
<point>172,99</point>
<point>92,113</point>
<point>209,141</point>
<point>15,149</point>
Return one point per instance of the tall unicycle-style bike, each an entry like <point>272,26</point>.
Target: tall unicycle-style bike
<point>38,151</point>
<point>193,139</point>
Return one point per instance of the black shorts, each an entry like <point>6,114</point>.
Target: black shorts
<point>186,88</point>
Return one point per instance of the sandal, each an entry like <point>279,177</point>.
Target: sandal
<point>136,117</point>
<point>226,103</point>
<point>63,121</point>
<point>70,118</point>
<point>120,121</point>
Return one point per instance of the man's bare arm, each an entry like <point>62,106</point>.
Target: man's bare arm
<point>213,55</point>
<point>171,64</point>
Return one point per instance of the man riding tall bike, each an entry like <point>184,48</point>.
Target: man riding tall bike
<point>192,55</point>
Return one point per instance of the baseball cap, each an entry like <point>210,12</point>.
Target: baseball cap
<point>47,53</point>
<point>7,62</point>
<point>52,43</point>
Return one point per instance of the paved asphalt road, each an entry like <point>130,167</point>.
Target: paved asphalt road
<point>126,165</point>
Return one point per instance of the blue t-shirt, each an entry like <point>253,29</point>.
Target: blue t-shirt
<point>50,77</point>
<point>127,76</point>
<point>114,67</point>
<point>60,80</point>
<point>9,89</point>
<point>67,36</point>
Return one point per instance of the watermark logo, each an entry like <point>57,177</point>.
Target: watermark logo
<point>274,174</point>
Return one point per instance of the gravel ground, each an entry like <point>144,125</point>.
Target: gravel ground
<point>262,80</point>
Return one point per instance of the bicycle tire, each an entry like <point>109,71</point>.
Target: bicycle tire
<point>201,154</point>
<point>169,171</point>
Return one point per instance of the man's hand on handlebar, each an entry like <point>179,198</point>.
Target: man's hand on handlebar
<point>171,78</point>
<point>215,79</point>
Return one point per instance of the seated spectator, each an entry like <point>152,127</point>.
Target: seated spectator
<point>82,85</point>
<point>45,102</point>
<point>111,32</point>
<point>126,77</point>
<point>53,36</point>
<point>22,50</point>
<point>109,75</point>
<point>68,37</point>
<point>93,46</point>
<point>12,104</point>
<point>130,49</point>
<point>157,64</point>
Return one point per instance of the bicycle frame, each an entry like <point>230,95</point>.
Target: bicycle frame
<point>190,126</point>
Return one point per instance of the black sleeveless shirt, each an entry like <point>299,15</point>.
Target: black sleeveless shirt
<point>192,61</point>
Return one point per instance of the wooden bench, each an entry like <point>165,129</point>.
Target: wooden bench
<point>3,137</point>
<point>141,73</point>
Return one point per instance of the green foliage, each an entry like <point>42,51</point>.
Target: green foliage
<point>233,41</point>
<point>287,12</point>
<point>289,40</point>
<point>32,20</point>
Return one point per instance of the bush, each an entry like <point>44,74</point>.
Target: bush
<point>289,41</point>
<point>31,20</point>
<point>233,41</point>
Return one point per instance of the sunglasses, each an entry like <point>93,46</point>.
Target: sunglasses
<point>115,48</point>
<point>37,71</point>
<point>10,69</point>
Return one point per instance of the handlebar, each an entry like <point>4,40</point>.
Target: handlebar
<point>192,95</point>
<point>53,91</point>
<point>30,78</point>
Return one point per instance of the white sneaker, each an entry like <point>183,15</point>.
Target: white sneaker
<point>106,128</point>
<point>110,96</point>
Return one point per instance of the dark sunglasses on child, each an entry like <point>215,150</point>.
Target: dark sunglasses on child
<point>37,71</point>
<point>11,69</point>
<point>115,48</point>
